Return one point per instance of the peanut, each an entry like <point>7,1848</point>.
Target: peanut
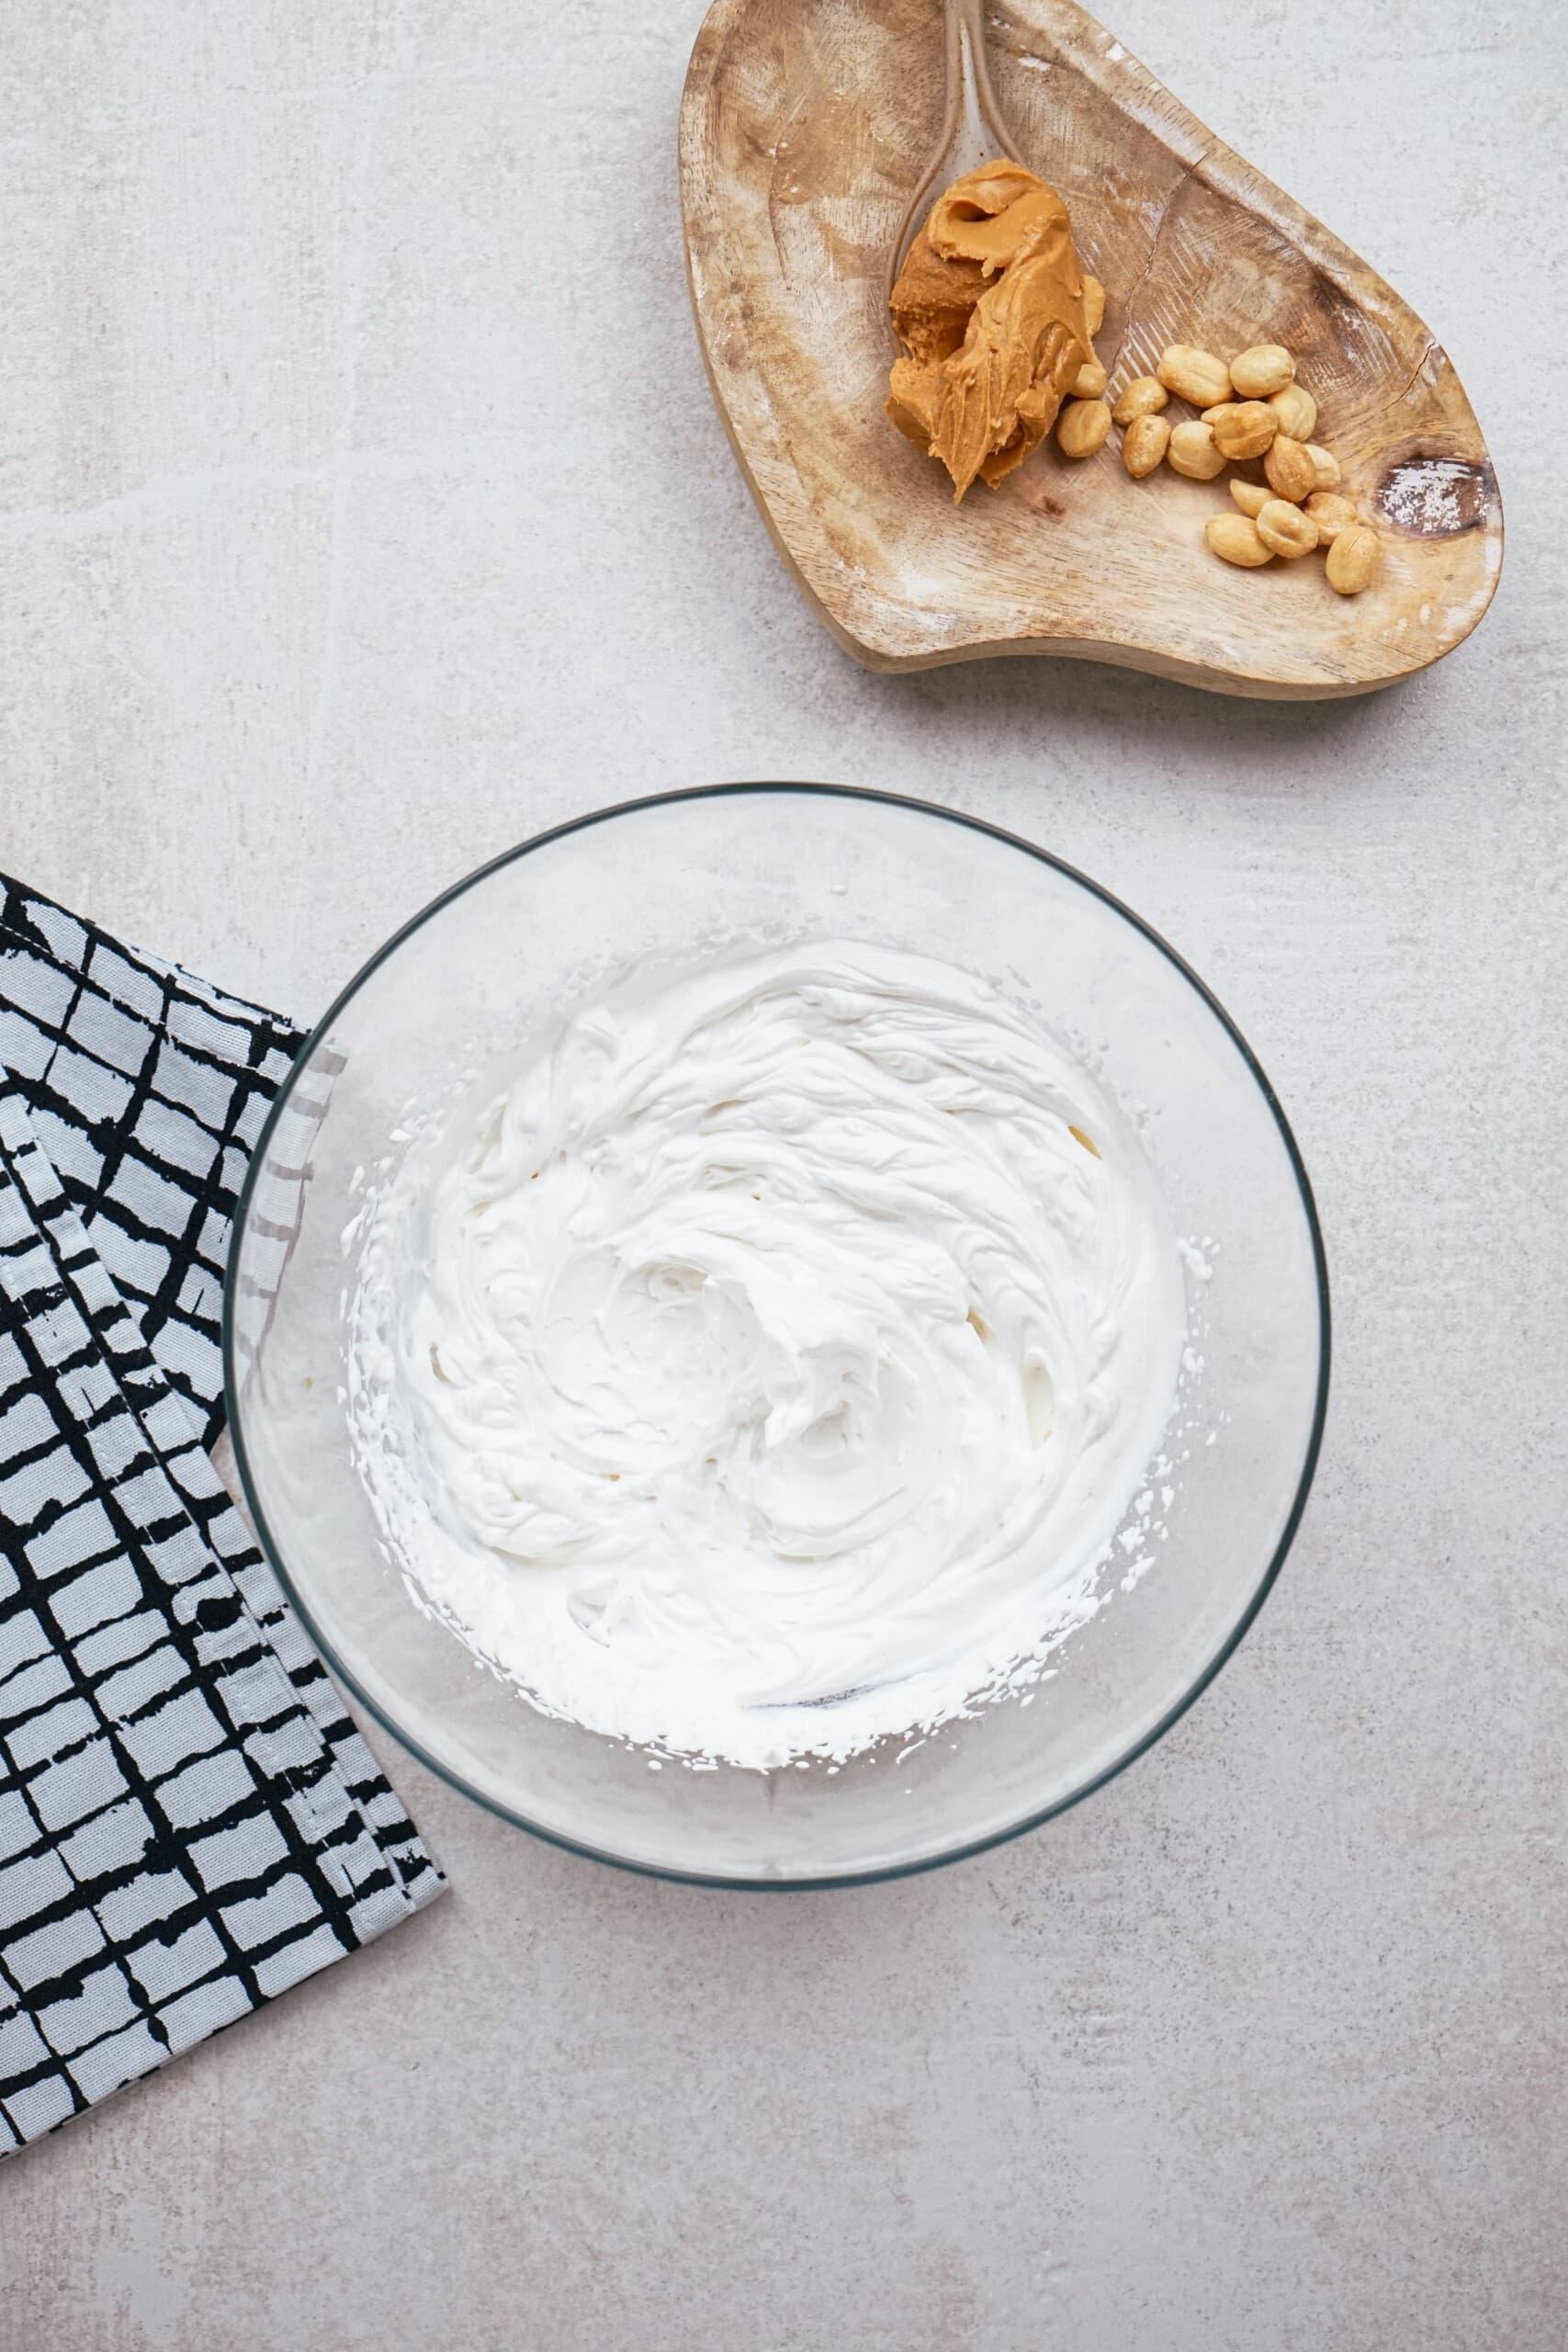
<point>1193,375</point>
<point>1221,408</point>
<point>1094,304</point>
<point>1191,451</point>
<point>1143,397</point>
<point>1325,465</point>
<point>1234,537</point>
<point>1297,411</point>
<point>1245,429</point>
<point>1284,529</point>
<point>1290,471</point>
<point>1143,444</point>
<point>1331,514</point>
<point>1251,497</point>
<point>1266,368</point>
<point>1089,381</point>
<point>1082,427</point>
<point>1353,558</point>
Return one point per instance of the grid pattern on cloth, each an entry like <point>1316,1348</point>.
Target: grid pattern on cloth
<point>147,1090</point>
<point>189,1822</point>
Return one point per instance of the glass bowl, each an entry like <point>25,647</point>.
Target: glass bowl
<point>521,939</point>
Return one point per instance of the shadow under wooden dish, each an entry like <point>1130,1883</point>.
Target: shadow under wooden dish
<point>805,129</point>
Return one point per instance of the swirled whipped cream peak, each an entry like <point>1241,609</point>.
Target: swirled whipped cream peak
<point>769,1367</point>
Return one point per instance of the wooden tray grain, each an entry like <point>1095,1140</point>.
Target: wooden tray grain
<point>805,129</point>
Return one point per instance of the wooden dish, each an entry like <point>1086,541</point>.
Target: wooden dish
<point>807,129</point>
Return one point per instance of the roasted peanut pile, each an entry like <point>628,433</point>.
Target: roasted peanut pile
<point>1251,408</point>
<point>996,321</point>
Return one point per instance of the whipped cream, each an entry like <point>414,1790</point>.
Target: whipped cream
<point>769,1366</point>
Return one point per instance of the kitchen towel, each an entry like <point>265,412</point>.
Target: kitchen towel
<point>189,1822</point>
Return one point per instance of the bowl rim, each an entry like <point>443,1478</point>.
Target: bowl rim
<point>969,1846</point>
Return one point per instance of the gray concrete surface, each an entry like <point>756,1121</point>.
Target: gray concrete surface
<point>322,579</point>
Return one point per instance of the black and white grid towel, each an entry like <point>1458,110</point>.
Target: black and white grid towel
<point>189,1823</point>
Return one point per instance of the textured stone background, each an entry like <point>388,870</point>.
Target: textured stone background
<point>324,579</point>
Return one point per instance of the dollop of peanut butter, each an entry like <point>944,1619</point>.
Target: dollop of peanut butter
<point>989,309</point>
